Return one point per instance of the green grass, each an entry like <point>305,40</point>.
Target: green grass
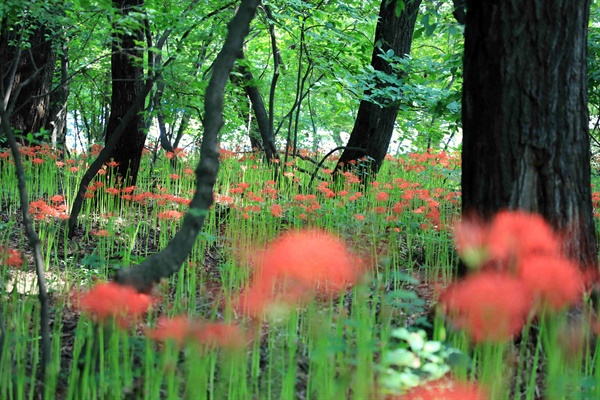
<point>327,348</point>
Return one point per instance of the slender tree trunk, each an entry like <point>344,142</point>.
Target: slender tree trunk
<point>58,100</point>
<point>169,260</point>
<point>525,116</point>
<point>127,71</point>
<point>258,107</point>
<point>374,124</point>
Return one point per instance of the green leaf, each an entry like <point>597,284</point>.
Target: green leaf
<point>198,213</point>
<point>400,6</point>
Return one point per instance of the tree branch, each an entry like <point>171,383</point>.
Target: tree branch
<point>169,260</point>
<point>34,241</point>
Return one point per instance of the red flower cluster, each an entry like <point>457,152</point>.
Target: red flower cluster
<point>41,210</point>
<point>111,300</point>
<point>297,266</point>
<point>445,390</point>
<point>180,329</point>
<point>10,257</point>
<point>522,269</point>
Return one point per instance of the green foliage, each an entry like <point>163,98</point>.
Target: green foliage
<point>412,360</point>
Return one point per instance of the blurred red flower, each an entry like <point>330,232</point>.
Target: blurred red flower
<point>470,239</point>
<point>218,334</point>
<point>177,328</point>
<point>490,306</point>
<point>518,233</point>
<point>10,257</point>
<point>181,328</point>
<point>297,265</point>
<point>445,389</point>
<point>382,196</point>
<point>276,210</point>
<point>556,281</point>
<point>110,299</point>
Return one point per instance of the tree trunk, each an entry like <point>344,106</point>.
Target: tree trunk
<point>29,86</point>
<point>127,71</point>
<point>525,116</point>
<point>57,126</point>
<point>247,81</point>
<point>374,125</point>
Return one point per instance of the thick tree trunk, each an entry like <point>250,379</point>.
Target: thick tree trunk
<point>28,88</point>
<point>374,124</point>
<point>525,117</point>
<point>127,71</point>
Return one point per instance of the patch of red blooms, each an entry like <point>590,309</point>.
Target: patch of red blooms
<point>491,306</point>
<point>518,233</point>
<point>297,266</point>
<point>170,215</point>
<point>218,334</point>
<point>276,210</point>
<point>10,257</point>
<point>40,210</point>
<point>382,196</point>
<point>555,281</point>
<point>177,328</point>
<point>111,300</point>
<point>444,389</point>
<point>529,274</point>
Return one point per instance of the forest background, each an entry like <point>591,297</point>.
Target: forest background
<point>129,82</point>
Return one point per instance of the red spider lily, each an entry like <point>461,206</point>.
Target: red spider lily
<point>100,233</point>
<point>351,178</point>
<point>382,196</point>
<point>40,210</point>
<point>398,207</point>
<point>109,299</point>
<point>490,306</point>
<point>170,215</point>
<point>10,257</point>
<point>517,233</point>
<point>129,189</point>
<point>177,328</point>
<point>556,282</point>
<point>276,210</point>
<point>218,334</point>
<point>444,389</point>
<point>298,264</point>
<point>470,239</point>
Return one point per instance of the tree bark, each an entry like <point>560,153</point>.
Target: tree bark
<point>525,116</point>
<point>374,125</point>
<point>27,74</point>
<point>127,71</point>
